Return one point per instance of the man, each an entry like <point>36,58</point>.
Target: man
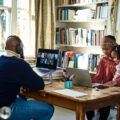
<point>14,73</point>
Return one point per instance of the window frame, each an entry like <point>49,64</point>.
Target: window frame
<point>12,20</point>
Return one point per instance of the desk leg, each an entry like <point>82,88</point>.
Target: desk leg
<point>80,114</point>
<point>118,114</point>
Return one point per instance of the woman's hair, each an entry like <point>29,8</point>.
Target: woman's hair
<point>111,37</point>
<point>117,50</point>
<point>109,43</point>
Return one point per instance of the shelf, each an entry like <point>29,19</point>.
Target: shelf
<point>80,49</point>
<point>83,5</point>
<point>4,8</point>
<point>103,21</point>
<point>74,45</point>
<point>83,24</point>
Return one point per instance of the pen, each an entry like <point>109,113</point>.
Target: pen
<point>72,76</point>
<point>64,77</point>
<point>64,73</point>
<point>67,76</point>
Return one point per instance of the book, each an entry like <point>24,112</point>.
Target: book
<point>76,59</point>
<point>70,57</point>
<point>71,14</point>
<point>82,62</point>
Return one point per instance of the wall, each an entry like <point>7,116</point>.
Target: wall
<point>118,24</point>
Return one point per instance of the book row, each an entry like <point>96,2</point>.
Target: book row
<point>82,37</point>
<point>101,12</point>
<point>81,61</point>
<point>66,2</point>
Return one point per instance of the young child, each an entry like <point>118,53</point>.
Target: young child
<point>105,72</point>
<point>116,58</point>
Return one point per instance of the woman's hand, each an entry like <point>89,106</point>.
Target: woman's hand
<point>110,84</point>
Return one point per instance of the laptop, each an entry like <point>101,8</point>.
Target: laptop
<point>46,61</point>
<point>82,77</point>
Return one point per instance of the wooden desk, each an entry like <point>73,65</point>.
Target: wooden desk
<point>94,100</point>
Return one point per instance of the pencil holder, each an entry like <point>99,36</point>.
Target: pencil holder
<point>68,84</point>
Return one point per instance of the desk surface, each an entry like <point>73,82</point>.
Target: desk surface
<point>95,99</point>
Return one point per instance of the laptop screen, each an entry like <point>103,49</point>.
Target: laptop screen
<point>47,58</point>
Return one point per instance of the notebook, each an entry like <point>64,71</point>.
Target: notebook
<point>46,61</point>
<point>82,77</point>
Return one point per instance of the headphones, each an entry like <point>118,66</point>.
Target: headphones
<point>19,49</point>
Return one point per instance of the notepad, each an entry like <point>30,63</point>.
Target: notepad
<point>71,93</point>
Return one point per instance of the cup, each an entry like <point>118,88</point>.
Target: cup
<point>68,84</point>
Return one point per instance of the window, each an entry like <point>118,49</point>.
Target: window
<point>17,17</point>
<point>5,7</point>
<point>25,25</point>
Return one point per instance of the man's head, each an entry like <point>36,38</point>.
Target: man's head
<point>109,42</point>
<point>14,44</point>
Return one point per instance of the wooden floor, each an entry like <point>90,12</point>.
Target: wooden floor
<point>65,114</point>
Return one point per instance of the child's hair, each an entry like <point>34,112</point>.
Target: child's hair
<point>117,50</point>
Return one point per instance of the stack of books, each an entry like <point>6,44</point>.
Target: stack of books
<point>102,11</point>
<point>58,74</point>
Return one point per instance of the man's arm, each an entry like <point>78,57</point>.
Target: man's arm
<point>25,76</point>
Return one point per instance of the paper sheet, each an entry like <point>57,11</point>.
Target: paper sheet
<point>71,93</point>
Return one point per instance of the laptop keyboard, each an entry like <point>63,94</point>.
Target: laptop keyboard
<point>43,70</point>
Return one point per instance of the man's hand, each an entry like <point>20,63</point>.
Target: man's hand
<point>110,84</point>
<point>24,89</point>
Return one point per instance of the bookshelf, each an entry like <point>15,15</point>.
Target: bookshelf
<point>82,24</point>
<point>82,5</point>
<point>81,49</point>
<point>84,20</point>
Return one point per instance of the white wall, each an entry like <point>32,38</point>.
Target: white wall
<point>118,17</point>
<point>109,24</point>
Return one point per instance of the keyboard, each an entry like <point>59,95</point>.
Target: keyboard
<point>43,70</point>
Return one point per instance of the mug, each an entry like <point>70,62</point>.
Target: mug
<point>68,84</point>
